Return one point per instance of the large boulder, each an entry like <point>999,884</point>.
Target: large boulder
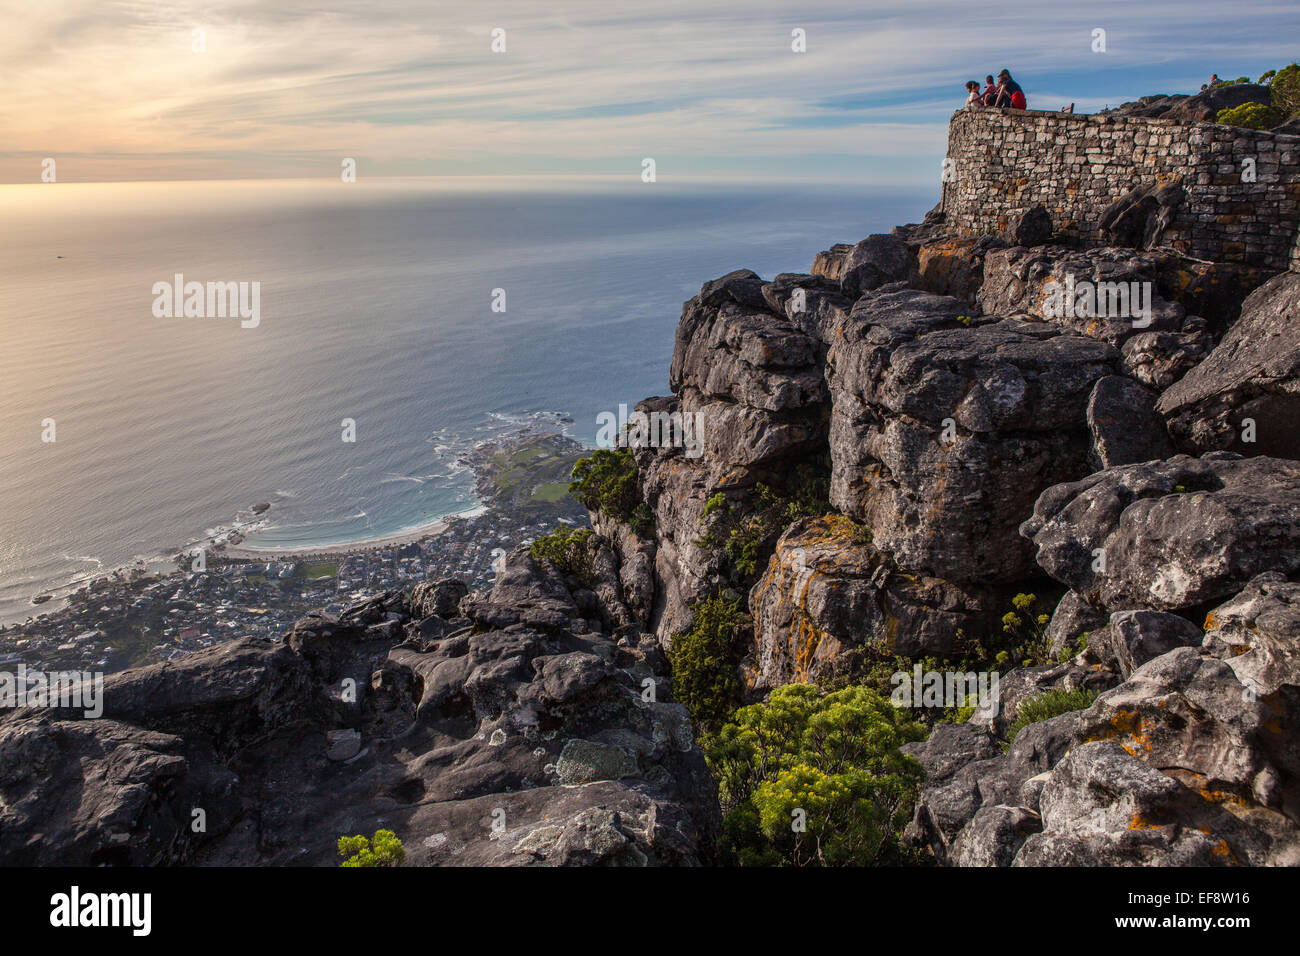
<point>1140,636</point>
<point>1125,427</point>
<point>1033,227</point>
<point>1170,535</point>
<point>943,433</point>
<point>1073,619</point>
<point>875,261</point>
<point>1107,293</point>
<point>1138,219</point>
<point>1257,634</point>
<point>1158,359</point>
<point>954,265</point>
<point>441,598</point>
<point>830,605</point>
<point>1249,386</point>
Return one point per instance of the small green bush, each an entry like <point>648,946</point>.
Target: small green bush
<point>1252,116</point>
<point>704,659</point>
<point>1048,705</point>
<point>831,762</point>
<point>745,536</point>
<point>1025,628</point>
<point>568,550</point>
<point>385,850</point>
<point>607,482</point>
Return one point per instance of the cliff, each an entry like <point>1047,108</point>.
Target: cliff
<point>951,438</point>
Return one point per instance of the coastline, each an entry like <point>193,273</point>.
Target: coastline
<point>398,539</point>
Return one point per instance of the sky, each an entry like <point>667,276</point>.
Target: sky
<point>230,89</point>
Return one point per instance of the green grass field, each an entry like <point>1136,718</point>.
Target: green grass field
<point>551,493</point>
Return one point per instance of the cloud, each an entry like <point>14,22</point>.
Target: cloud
<point>288,88</point>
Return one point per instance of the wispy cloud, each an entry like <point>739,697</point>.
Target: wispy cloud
<point>289,87</point>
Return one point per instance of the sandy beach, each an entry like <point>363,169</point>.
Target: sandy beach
<point>412,536</point>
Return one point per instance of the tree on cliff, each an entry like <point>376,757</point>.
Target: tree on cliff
<point>1284,105</point>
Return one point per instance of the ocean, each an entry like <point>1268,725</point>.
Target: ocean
<point>432,313</point>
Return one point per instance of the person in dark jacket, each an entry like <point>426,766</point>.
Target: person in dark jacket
<point>1009,92</point>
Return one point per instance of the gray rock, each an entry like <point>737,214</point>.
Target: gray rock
<point>994,835</point>
<point>829,606</point>
<point>1072,619</point>
<point>941,434</point>
<point>1138,219</point>
<point>1257,634</point>
<point>1252,375</point>
<point>344,744</point>
<point>473,751</point>
<point>1125,427</point>
<point>1139,636</point>
<point>875,261</point>
<point>1203,107</point>
<point>1032,227</point>
<point>1022,282</point>
<point>954,265</point>
<point>1103,807</point>
<point>586,761</point>
<point>438,597</point>
<point>1158,359</point>
<point>1173,534</point>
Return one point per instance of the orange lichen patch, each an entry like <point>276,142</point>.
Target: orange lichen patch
<point>1222,796</point>
<point>1222,849</point>
<point>1241,649</point>
<point>1211,622</point>
<point>1128,724</point>
<point>810,636</point>
<point>1137,823</point>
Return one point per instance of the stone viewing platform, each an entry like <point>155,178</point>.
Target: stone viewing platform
<point>1211,192</point>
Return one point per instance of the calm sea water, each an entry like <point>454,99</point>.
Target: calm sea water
<point>376,305</point>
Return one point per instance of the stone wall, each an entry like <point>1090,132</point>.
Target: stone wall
<point>1003,162</point>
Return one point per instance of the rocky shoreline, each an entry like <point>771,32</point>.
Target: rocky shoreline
<point>134,617</point>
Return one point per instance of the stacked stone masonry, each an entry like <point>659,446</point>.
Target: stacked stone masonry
<point>1003,162</point>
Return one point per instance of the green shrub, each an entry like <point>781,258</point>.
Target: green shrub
<point>386,850</point>
<point>704,660</point>
<point>1025,634</point>
<point>744,536</point>
<point>606,482</point>
<point>568,550</point>
<point>1048,705</point>
<point>829,763</point>
<point>1284,101</point>
<point>1284,88</point>
<point>1252,116</point>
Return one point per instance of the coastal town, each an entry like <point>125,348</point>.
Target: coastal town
<point>131,618</point>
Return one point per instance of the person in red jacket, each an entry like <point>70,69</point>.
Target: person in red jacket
<point>990,91</point>
<point>1009,92</point>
